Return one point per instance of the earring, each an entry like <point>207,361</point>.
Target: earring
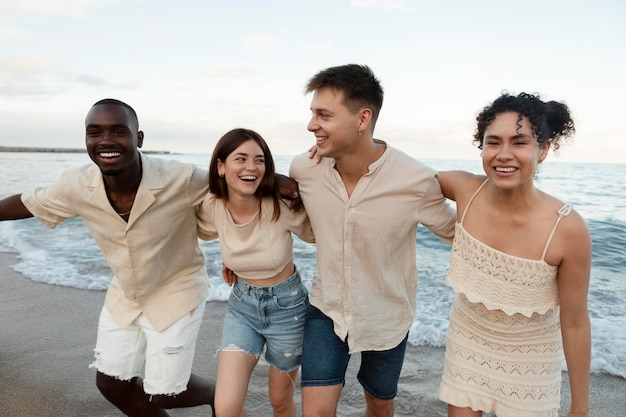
<point>221,175</point>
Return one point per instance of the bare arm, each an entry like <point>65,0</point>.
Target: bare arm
<point>455,183</point>
<point>446,180</point>
<point>573,281</point>
<point>12,208</point>
<point>288,189</point>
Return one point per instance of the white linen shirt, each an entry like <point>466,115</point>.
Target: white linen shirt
<point>158,267</point>
<point>366,243</point>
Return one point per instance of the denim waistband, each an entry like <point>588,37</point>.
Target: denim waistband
<point>292,281</point>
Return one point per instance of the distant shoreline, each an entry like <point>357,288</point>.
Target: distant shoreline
<point>61,150</point>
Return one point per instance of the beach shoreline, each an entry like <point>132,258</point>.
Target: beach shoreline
<point>46,345</point>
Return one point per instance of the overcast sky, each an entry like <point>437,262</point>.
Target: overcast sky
<point>196,69</point>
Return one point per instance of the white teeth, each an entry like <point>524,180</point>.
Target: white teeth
<point>499,169</point>
<point>248,178</point>
<point>109,154</point>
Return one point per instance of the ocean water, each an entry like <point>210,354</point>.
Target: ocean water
<point>68,255</point>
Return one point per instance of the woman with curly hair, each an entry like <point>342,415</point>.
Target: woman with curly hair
<point>519,267</point>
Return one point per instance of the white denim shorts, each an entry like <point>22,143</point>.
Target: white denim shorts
<point>163,359</point>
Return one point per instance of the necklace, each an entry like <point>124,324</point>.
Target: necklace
<point>123,214</point>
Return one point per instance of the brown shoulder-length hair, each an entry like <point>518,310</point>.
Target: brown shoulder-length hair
<point>227,145</point>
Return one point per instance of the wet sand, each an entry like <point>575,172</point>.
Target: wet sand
<point>47,335</point>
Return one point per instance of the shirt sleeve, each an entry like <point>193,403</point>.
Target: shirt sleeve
<point>436,213</point>
<point>297,222</point>
<point>206,219</point>
<point>198,186</point>
<point>52,204</point>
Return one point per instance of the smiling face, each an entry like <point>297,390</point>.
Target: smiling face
<point>243,169</point>
<point>511,152</point>
<point>112,138</point>
<point>335,127</point>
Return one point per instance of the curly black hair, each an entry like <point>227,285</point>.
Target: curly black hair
<point>551,121</point>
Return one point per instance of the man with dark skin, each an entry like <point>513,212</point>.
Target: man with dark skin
<point>141,211</point>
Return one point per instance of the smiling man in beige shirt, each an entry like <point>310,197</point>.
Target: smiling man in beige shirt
<point>365,200</point>
<point>142,213</point>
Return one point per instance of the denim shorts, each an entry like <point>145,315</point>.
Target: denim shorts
<point>164,359</point>
<point>325,360</point>
<point>271,317</point>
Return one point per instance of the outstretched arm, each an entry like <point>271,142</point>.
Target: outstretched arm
<point>12,208</point>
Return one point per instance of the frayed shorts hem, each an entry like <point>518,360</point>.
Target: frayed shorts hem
<point>235,348</point>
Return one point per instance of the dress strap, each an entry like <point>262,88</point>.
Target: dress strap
<point>472,199</point>
<point>563,211</point>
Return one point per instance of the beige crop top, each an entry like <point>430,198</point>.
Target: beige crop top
<point>260,248</point>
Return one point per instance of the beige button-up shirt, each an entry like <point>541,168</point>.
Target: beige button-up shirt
<point>158,266</point>
<point>366,243</point>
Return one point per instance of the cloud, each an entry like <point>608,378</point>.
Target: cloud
<point>95,81</point>
<point>67,8</point>
<point>384,4</point>
<point>319,46</point>
<point>10,33</point>
<point>27,75</point>
<point>260,41</point>
<point>228,69</point>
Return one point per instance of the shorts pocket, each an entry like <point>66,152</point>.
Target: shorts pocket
<point>237,294</point>
<point>292,298</point>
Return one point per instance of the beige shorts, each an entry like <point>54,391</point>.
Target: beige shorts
<point>163,359</point>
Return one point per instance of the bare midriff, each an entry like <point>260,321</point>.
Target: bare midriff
<point>286,273</point>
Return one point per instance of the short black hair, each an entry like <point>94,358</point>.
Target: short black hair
<point>116,102</point>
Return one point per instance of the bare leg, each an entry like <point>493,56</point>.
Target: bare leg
<point>462,412</point>
<point>377,407</point>
<point>199,392</point>
<point>321,401</point>
<point>234,369</point>
<point>281,387</point>
<point>128,396</point>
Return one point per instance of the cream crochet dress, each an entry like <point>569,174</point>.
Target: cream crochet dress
<point>503,351</point>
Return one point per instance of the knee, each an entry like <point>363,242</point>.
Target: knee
<point>281,396</point>
<point>282,403</point>
<point>379,407</point>
<point>111,387</point>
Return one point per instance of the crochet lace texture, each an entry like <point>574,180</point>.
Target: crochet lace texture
<point>499,280</point>
<point>503,349</point>
<point>508,364</point>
